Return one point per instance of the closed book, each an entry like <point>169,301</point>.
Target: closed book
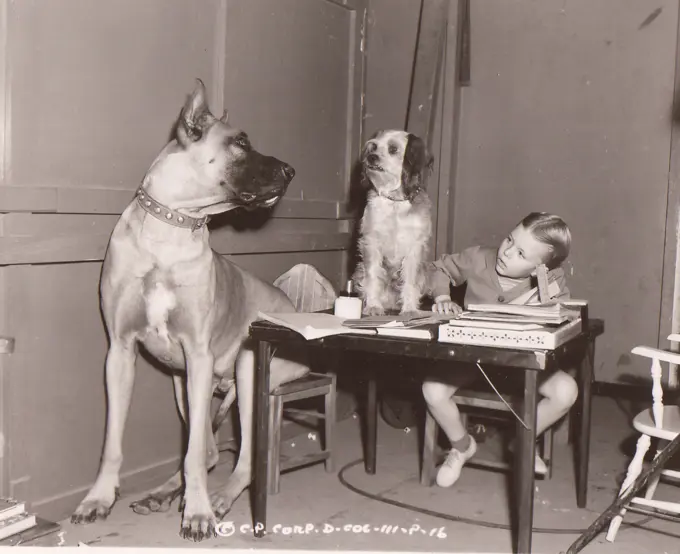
<point>553,310</point>
<point>10,507</point>
<point>509,318</point>
<point>426,332</point>
<point>42,528</point>
<point>16,524</point>
<point>495,324</point>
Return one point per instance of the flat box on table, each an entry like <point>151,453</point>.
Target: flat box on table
<point>547,338</point>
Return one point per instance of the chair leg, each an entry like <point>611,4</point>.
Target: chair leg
<point>330,415</point>
<point>634,470</point>
<point>429,450</point>
<point>548,440</point>
<point>654,481</point>
<point>274,455</point>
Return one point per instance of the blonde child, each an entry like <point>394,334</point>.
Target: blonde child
<point>498,275</point>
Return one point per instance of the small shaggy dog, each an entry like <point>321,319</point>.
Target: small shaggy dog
<point>396,225</point>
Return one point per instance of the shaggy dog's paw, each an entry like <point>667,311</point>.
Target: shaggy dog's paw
<point>374,310</point>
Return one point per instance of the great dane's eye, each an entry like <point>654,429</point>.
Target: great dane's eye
<point>393,149</point>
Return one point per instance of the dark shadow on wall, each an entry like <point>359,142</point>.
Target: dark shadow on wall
<point>356,202</point>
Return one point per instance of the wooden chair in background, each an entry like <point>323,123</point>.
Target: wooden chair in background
<point>662,423</point>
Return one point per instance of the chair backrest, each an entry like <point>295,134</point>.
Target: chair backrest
<point>308,290</point>
<point>657,356</point>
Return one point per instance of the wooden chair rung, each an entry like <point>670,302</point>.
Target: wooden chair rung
<point>308,382</point>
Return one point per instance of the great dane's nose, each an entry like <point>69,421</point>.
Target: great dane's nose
<point>288,172</point>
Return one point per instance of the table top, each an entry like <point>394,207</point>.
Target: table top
<point>520,358</point>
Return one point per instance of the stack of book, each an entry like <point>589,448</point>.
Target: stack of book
<point>539,326</point>
<point>538,314</point>
<point>13,518</point>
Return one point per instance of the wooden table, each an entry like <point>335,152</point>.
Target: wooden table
<point>580,351</point>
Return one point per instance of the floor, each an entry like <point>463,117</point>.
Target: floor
<point>316,511</point>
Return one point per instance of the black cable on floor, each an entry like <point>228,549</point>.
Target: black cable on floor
<point>461,519</point>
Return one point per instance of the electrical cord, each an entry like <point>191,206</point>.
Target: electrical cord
<point>461,519</point>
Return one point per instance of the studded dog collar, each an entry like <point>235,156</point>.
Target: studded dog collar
<point>167,215</point>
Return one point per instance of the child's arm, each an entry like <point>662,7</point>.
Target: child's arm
<point>448,269</point>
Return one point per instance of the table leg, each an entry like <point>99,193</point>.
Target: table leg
<point>525,463</point>
<point>261,437</point>
<point>583,447</point>
<point>371,425</point>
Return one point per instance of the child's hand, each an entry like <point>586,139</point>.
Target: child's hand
<point>444,305</point>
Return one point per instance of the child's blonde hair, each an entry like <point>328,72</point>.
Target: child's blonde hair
<point>551,230</point>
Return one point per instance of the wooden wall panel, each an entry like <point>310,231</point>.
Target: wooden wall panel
<point>391,37</point>
<point>54,238</point>
<point>95,86</point>
<point>569,111</point>
<point>58,402</point>
<point>294,92</point>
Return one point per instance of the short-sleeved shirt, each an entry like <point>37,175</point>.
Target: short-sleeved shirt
<point>476,266</point>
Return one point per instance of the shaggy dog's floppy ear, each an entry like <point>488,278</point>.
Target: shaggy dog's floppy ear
<point>418,162</point>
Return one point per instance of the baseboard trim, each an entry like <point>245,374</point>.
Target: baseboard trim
<point>59,507</point>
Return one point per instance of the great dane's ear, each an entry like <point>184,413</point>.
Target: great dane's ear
<point>418,162</point>
<point>195,116</point>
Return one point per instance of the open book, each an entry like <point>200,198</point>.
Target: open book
<point>312,325</point>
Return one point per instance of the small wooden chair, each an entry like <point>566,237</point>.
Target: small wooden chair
<point>310,292</point>
<point>658,421</point>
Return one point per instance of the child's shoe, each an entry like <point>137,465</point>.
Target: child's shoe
<point>540,466</point>
<point>455,460</point>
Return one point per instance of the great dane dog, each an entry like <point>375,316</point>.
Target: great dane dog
<point>164,287</point>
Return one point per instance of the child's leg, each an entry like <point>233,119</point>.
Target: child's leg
<point>559,391</point>
<point>438,396</point>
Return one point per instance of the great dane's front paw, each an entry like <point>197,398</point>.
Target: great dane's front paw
<point>374,310</point>
<point>92,509</point>
<point>198,526</point>
<point>155,502</point>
